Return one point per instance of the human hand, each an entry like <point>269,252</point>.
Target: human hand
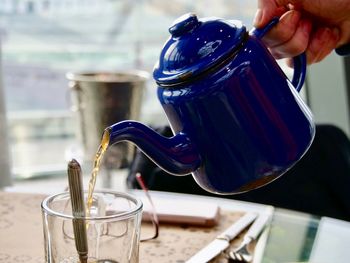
<point>314,27</point>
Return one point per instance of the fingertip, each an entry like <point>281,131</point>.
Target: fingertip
<point>336,33</point>
<point>266,12</point>
<point>322,44</point>
<point>310,57</point>
<point>257,22</point>
<point>291,18</point>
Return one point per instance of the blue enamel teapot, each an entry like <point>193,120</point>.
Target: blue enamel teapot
<point>238,121</point>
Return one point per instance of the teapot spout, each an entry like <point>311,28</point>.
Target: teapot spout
<point>177,155</point>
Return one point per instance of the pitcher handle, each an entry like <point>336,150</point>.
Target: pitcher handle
<point>299,61</point>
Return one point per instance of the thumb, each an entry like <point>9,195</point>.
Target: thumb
<point>268,9</point>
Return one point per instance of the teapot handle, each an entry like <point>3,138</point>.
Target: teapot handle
<point>299,61</point>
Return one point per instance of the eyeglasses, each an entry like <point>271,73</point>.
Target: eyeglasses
<point>153,215</point>
<point>118,230</point>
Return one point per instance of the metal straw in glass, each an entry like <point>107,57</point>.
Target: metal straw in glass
<point>78,209</point>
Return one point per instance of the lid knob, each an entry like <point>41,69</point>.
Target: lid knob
<point>183,24</point>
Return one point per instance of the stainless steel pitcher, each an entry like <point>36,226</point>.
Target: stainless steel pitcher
<point>101,99</point>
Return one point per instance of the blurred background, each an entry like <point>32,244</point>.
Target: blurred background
<point>41,40</point>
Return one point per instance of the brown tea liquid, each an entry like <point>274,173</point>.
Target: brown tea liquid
<point>96,167</point>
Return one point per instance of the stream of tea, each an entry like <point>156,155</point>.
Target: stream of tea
<point>92,182</point>
<point>96,167</point>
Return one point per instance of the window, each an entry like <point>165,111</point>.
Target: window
<point>44,39</point>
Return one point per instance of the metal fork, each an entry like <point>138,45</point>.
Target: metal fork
<point>242,253</point>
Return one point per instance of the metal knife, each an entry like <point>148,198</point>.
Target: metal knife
<point>221,242</point>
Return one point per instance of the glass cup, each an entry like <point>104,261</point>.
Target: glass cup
<point>112,228</point>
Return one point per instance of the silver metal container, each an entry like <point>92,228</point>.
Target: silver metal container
<point>101,99</point>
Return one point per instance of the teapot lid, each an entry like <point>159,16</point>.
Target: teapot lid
<point>196,45</point>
